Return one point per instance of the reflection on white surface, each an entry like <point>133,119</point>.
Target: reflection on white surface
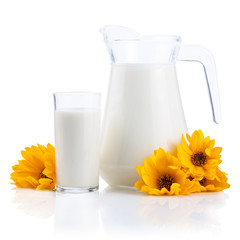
<point>126,210</point>
<point>77,213</point>
<point>119,210</point>
<point>35,203</point>
<point>183,212</point>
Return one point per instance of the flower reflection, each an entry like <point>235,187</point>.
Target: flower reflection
<point>35,203</point>
<point>183,212</point>
<point>126,210</point>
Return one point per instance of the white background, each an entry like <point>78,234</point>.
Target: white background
<point>48,46</point>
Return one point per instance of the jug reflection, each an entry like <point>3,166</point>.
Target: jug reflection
<point>124,210</point>
<point>77,213</point>
<point>144,109</point>
<point>118,210</point>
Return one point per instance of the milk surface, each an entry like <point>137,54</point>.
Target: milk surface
<point>143,112</point>
<point>77,147</point>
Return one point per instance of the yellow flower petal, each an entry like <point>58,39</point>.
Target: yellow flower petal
<point>185,146</point>
<point>160,179</point>
<point>188,137</point>
<point>139,184</point>
<point>149,166</point>
<point>208,152</point>
<point>32,181</point>
<point>149,180</point>
<point>196,141</point>
<point>184,158</point>
<point>204,159</point>
<point>46,184</point>
<point>139,170</point>
<point>216,152</point>
<point>38,161</point>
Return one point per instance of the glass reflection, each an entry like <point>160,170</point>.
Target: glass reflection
<point>77,213</point>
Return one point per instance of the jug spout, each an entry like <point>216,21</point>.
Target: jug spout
<point>116,33</point>
<point>129,47</point>
<point>113,37</point>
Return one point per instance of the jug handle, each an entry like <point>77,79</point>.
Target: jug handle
<point>200,54</point>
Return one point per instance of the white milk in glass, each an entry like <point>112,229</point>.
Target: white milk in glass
<point>77,147</point>
<point>143,112</point>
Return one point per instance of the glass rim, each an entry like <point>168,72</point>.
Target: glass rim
<point>75,99</point>
<point>77,93</point>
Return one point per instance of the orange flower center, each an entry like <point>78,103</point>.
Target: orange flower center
<point>190,178</point>
<point>203,181</point>
<point>198,159</point>
<point>165,181</point>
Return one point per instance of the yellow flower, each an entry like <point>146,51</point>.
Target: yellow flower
<point>161,175</point>
<point>200,158</point>
<point>207,185</point>
<point>37,169</point>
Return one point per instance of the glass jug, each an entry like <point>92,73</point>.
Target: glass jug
<point>144,110</point>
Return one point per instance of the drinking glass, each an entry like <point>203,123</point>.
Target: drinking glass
<point>77,130</point>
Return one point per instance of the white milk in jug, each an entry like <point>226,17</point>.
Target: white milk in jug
<point>143,112</point>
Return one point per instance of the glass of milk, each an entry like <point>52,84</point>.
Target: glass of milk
<point>77,130</point>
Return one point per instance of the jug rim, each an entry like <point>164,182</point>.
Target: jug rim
<point>149,38</point>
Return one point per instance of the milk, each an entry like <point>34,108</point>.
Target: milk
<point>77,147</point>
<point>143,112</point>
